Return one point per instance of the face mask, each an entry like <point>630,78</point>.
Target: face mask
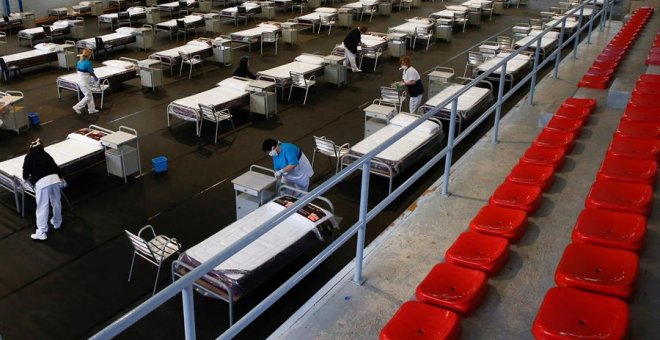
<point>404,67</point>
<point>273,153</point>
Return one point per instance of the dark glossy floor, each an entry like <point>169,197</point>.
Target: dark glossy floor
<point>75,283</point>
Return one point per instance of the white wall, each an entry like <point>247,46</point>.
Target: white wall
<point>41,7</point>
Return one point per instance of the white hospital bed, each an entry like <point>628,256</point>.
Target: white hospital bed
<point>404,152</point>
<point>516,68</point>
<point>253,35</point>
<point>256,263</point>
<point>42,53</point>
<point>251,8</point>
<point>307,64</point>
<point>313,19</point>
<point>121,36</point>
<point>202,47</point>
<point>229,93</point>
<point>410,26</point>
<point>170,26</point>
<point>134,14</point>
<point>172,7</point>
<point>549,42</point>
<point>569,27</point>
<point>37,33</point>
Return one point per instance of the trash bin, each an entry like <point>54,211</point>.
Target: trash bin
<point>34,118</point>
<point>159,164</point>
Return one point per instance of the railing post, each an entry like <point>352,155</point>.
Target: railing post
<point>591,22</point>
<point>362,219</point>
<point>498,110</point>
<point>535,71</point>
<point>577,33</point>
<point>188,313</point>
<point>610,10</point>
<point>603,16</point>
<point>450,144</point>
<point>555,72</point>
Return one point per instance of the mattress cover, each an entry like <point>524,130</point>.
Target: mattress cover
<point>189,19</point>
<point>282,72</point>
<point>547,40</point>
<point>256,31</point>
<point>249,6</point>
<point>24,55</point>
<point>212,97</point>
<point>188,49</point>
<point>101,72</point>
<point>513,65</point>
<point>410,27</point>
<point>175,4</point>
<point>466,101</point>
<point>107,39</point>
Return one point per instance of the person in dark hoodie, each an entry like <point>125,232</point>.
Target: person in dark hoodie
<point>45,175</point>
<point>351,42</point>
<point>243,70</point>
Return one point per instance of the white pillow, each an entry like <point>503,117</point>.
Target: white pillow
<point>61,23</point>
<point>234,84</point>
<point>122,64</point>
<point>419,21</point>
<point>85,3</point>
<point>135,10</point>
<point>326,10</point>
<point>310,59</point>
<point>83,139</point>
<point>197,42</point>
<point>48,47</point>
<point>403,120</point>
<point>128,30</point>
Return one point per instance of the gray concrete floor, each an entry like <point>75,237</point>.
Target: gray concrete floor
<point>400,258</point>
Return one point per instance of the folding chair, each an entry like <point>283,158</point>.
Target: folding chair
<point>191,61</point>
<point>370,53</point>
<point>156,250</point>
<point>475,59</point>
<point>298,80</point>
<point>329,148</point>
<point>424,34</point>
<point>209,113</point>
<point>269,37</point>
<point>326,20</point>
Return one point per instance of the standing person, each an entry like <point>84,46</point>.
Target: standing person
<point>413,83</point>
<point>85,75</point>
<point>41,170</point>
<point>290,163</point>
<point>351,43</point>
<point>243,70</point>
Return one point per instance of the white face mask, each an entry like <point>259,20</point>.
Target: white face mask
<point>404,67</point>
<point>273,153</point>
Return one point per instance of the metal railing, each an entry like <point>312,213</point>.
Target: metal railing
<point>185,283</point>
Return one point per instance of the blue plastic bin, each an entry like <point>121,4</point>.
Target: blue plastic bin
<point>159,164</point>
<point>34,118</point>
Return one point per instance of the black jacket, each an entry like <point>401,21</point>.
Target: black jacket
<point>39,164</point>
<point>242,71</point>
<point>352,40</point>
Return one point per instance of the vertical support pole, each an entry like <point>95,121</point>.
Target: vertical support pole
<point>603,15</point>
<point>610,10</point>
<point>498,110</point>
<point>362,219</point>
<point>555,72</point>
<point>20,5</point>
<point>188,313</point>
<point>591,22</point>
<point>535,71</point>
<point>450,144</point>
<point>577,33</point>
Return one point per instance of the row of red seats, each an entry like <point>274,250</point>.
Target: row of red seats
<point>600,73</point>
<point>457,287</point>
<point>598,271</point>
<point>654,54</point>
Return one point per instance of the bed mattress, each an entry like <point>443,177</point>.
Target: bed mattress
<point>468,102</point>
<point>188,49</point>
<point>548,42</point>
<point>249,7</point>
<point>514,65</point>
<point>253,32</point>
<point>409,27</point>
<point>188,20</point>
<point>113,39</point>
<point>282,72</point>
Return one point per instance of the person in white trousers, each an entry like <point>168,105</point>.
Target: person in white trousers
<point>413,83</point>
<point>85,76</point>
<point>45,175</point>
<point>351,42</point>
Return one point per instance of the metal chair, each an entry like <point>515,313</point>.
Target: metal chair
<point>487,7</point>
<point>331,149</point>
<point>392,96</point>
<point>123,18</point>
<point>326,20</point>
<point>3,42</point>
<point>505,42</point>
<point>461,18</point>
<point>269,37</point>
<point>536,24</point>
<point>475,59</point>
<point>242,13</point>
<point>368,9</point>
<point>71,12</point>
<point>101,46</point>
<point>7,70</point>
<point>52,35</point>
<point>424,34</point>
<point>182,27</point>
<point>191,61</point>
<point>156,250</point>
<point>298,80</point>
<point>183,8</point>
<point>405,3</point>
<point>298,4</point>
<point>100,88</point>
<point>370,53</point>
<point>209,113</point>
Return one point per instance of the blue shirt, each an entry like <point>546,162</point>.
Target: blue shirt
<point>85,66</point>
<point>289,155</point>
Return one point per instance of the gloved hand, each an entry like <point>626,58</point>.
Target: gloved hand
<point>63,184</point>
<point>278,173</point>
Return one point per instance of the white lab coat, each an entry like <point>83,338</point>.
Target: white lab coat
<point>48,193</point>
<point>300,175</point>
<point>84,82</point>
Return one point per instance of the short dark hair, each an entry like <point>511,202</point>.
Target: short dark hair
<point>363,29</point>
<point>268,144</point>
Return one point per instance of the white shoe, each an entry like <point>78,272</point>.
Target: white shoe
<point>38,236</point>
<point>357,70</point>
<point>77,110</point>
<point>91,112</point>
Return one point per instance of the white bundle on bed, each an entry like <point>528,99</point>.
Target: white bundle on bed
<point>47,47</point>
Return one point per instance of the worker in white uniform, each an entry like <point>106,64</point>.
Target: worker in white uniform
<point>85,76</point>
<point>290,163</point>
<point>45,175</point>
<point>413,83</point>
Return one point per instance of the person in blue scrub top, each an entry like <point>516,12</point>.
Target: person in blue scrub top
<point>85,76</point>
<point>290,163</point>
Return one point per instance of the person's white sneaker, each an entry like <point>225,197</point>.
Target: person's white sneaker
<point>77,110</point>
<point>357,70</point>
<point>91,112</point>
<point>38,236</point>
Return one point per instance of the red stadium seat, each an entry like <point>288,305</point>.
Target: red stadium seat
<point>629,170</point>
<point>618,196</point>
<point>598,269</point>
<point>561,124</point>
<point>642,114</point>
<point>610,229</point>
<point>517,196</point>
<point>594,82</point>
<point>568,313</point>
<point>539,155</point>
<point>554,140</point>
<point>573,112</point>
<point>647,87</point>
<point>652,78</point>
<point>479,251</point>
<point>634,148</point>
<point>497,221</point>
<point>644,100</point>
<point>453,287</point>
<point>541,176</point>
<point>599,72</point>
<point>584,103</point>
<point>637,129</point>
<point>417,320</point>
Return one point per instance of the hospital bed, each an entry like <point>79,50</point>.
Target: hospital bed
<point>122,36</point>
<point>134,14</point>
<point>569,27</point>
<point>470,104</point>
<point>404,152</point>
<point>233,13</point>
<point>171,27</point>
<point>203,47</point>
<point>548,42</point>
<point>516,68</point>
<point>172,7</point>
<point>314,19</point>
<point>82,8</point>
<point>307,64</point>
<point>229,93</point>
<point>356,7</point>
<point>42,53</point>
<point>372,46</point>
<point>58,27</point>
<point>80,149</point>
<point>410,26</point>
<point>111,73</point>
<point>253,35</point>
<point>255,264</point>
<point>11,21</point>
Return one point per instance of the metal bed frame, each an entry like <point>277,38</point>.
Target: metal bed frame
<point>166,7</point>
<point>171,29</point>
<point>285,82</point>
<point>172,61</point>
<point>112,18</point>
<point>123,40</point>
<point>240,38</point>
<point>510,76</point>
<point>544,50</point>
<point>37,36</point>
<point>233,14</point>
<point>317,20</point>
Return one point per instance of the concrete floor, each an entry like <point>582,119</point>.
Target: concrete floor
<point>402,256</point>
<point>75,283</point>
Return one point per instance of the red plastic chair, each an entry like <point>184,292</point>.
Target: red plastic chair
<point>554,140</point>
<point>517,196</point>
<point>653,59</point>
<point>618,196</point>
<point>599,72</point>
<point>608,58</point>
<point>605,65</point>
<point>584,103</point>
<point>642,114</point>
<point>637,129</point>
<point>610,229</point>
<point>497,221</point>
<point>647,87</point>
<point>568,313</point>
<point>539,155</point>
<point>453,287</point>
<point>541,176</point>
<point>479,251</point>
<point>634,148</point>
<point>644,100</point>
<point>417,320</point>
<point>628,170</point>
<point>594,82</point>
<point>651,78</point>
<point>561,124</point>
<point>598,269</point>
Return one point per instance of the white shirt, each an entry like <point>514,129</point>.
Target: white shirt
<point>410,74</point>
